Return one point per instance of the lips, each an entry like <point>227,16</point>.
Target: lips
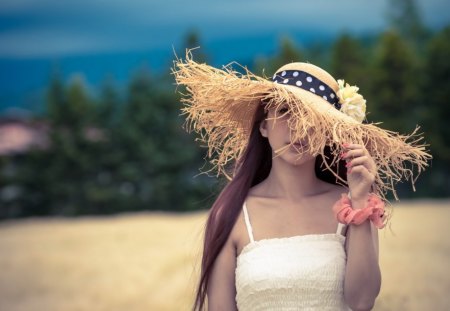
<point>299,145</point>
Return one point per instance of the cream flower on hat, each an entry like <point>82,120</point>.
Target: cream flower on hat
<point>352,103</point>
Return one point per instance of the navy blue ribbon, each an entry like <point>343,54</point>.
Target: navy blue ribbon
<point>309,83</point>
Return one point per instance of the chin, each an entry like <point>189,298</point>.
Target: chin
<point>296,158</point>
<point>297,161</point>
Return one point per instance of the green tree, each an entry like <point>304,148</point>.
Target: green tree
<point>73,152</point>
<point>157,160</point>
<point>435,111</point>
<point>109,105</point>
<point>347,61</point>
<point>69,160</point>
<point>288,53</point>
<point>395,85</point>
<point>405,18</point>
<point>56,97</point>
<point>318,54</point>
<point>436,94</point>
<point>80,108</point>
<point>192,41</point>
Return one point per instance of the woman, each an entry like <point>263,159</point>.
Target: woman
<point>272,241</point>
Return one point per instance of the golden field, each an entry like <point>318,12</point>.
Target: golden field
<point>149,261</point>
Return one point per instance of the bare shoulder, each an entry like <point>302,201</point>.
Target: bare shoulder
<point>238,233</point>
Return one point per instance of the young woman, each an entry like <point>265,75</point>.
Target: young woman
<point>292,230</point>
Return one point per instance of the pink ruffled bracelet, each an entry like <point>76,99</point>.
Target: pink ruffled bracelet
<point>374,210</point>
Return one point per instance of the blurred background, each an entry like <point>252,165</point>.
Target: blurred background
<point>101,202</point>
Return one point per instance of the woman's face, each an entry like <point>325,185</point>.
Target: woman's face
<point>279,135</point>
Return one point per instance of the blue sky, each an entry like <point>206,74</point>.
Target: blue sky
<point>46,28</point>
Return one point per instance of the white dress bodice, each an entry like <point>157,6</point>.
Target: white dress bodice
<point>304,272</point>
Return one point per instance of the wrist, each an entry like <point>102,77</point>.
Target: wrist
<point>362,197</point>
<point>359,202</point>
<point>351,211</point>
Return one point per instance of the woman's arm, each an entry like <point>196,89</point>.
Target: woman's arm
<point>362,276</point>
<point>221,289</point>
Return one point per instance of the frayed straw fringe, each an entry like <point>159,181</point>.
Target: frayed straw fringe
<point>220,105</point>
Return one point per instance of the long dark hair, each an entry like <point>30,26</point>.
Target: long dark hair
<point>252,168</point>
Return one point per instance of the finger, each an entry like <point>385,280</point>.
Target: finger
<point>353,146</point>
<point>361,160</point>
<point>366,161</point>
<point>352,154</point>
<point>358,169</point>
<point>351,168</point>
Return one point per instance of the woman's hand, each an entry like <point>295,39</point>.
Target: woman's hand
<point>361,170</point>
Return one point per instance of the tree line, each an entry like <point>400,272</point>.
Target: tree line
<point>127,151</point>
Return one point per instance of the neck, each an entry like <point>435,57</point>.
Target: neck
<point>293,182</point>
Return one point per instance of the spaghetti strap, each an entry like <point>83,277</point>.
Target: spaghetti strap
<point>341,229</point>
<point>247,223</point>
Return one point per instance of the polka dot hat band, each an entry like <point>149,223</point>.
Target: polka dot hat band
<point>309,83</point>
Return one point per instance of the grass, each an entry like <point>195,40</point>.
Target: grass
<point>149,261</point>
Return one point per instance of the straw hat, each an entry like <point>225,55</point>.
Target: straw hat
<point>220,105</point>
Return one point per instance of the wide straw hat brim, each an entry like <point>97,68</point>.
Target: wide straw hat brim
<point>220,105</point>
